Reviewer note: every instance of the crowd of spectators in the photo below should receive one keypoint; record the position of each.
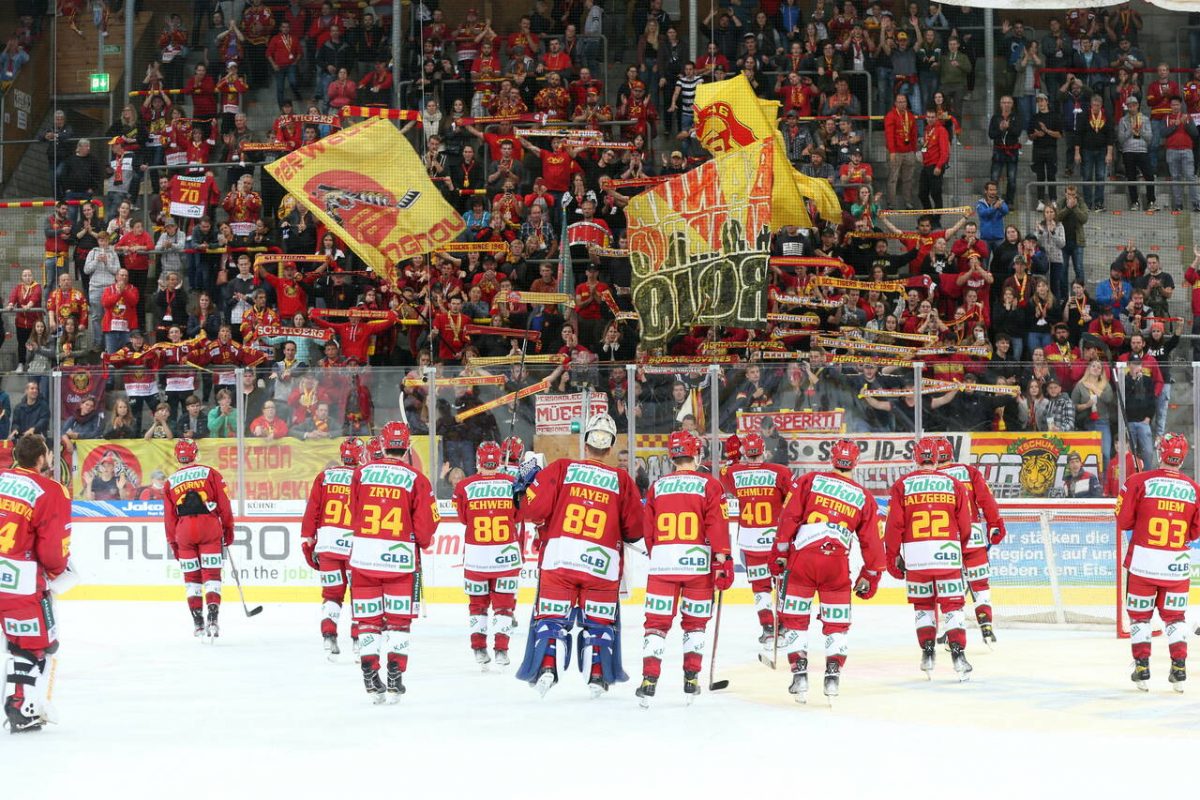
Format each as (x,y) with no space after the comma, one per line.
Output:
(180,300)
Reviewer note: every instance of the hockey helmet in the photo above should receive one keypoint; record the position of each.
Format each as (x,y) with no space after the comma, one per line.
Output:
(944,449)
(925,452)
(186,451)
(844,454)
(352,451)
(395,436)
(1172,449)
(733,448)
(601,432)
(375,448)
(753,445)
(683,444)
(512,450)
(488,455)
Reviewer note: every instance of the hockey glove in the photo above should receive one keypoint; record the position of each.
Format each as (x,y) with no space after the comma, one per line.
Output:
(778,565)
(996,535)
(867,583)
(228,540)
(895,567)
(722,575)
(309,547)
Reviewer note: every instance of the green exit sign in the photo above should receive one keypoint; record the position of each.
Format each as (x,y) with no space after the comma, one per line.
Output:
(98,82)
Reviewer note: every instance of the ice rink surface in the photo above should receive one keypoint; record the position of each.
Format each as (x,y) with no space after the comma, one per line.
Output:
(145,710)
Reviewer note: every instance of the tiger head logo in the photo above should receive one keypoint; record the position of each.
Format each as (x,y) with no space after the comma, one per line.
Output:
(1039,463)
(720,130)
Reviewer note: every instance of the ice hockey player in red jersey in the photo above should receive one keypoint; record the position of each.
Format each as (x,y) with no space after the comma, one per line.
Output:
(760,489)
(35,545)
(732,452)
(586,510)
(687,537)
(199,522)
(928,523)
(491,552)
(512,449)
(826,511)
(325,539)
(1160,507)
(987,530)
(393,516)
(374,449)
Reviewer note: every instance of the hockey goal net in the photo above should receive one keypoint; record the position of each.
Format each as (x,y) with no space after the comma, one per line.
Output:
(1059,565)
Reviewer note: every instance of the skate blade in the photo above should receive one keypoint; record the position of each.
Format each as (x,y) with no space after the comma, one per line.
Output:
(1177,687)
(544,684)
(766,660)
(801,698)
(392,698)
(963,677)
(644,702)
(1142,686)
(331,658)
(928,674)
(595,691)
(688,699)
(377,699)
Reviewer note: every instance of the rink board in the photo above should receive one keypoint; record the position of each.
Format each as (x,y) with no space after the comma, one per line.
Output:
(125,558)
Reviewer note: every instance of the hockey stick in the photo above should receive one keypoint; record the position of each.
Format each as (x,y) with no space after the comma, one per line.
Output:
(237,579)
(716,686)
(779,586)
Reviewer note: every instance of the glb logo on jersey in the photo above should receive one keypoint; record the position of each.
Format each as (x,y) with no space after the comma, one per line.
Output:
(592,476)
(22,627)
(1170,489)
(839,490)
(400,554)
(394,475)
(509,556)
(1182,565)
(947,552)
(680,484)
(696,557)
(597,559)
(10,576)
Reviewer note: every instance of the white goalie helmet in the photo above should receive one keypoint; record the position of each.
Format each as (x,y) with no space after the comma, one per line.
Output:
(601,432)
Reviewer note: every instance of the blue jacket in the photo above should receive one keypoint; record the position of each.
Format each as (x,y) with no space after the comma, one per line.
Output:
(991,220)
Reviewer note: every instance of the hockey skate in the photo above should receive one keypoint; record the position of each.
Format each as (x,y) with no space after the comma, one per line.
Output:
(767,635)
(372,683)
(330,643)
(799,686)
(482,658)
(355,647)
(501,658)
(213,630)
(20,716)
(395,683)
(691,685)
(597,685)
(1178,674)
(989,635)
(646,691)
(833,675)
(1141,673)
(961,665)
(928,656)
(197,622)
(547,677)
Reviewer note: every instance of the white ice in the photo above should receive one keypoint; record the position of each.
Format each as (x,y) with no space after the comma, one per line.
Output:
(147,711)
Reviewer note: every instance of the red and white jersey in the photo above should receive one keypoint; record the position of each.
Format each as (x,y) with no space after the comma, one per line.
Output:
(35,532)
(393,514)
(1161,509)
(827,510)
(490,540)
(687,522)
(327,514)
(209,490)
(985,514)
(761,490)
(586,509)
(928,522)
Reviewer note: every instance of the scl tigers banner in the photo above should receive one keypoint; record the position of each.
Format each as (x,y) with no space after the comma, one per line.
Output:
(698,246)
(368,185)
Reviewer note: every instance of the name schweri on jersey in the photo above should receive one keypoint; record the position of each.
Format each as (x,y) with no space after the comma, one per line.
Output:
(595,477)
(391,475)
(680,484)
(1170,489)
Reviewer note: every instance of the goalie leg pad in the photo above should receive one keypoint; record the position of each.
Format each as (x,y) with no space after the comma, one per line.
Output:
(545,635)
(603,640)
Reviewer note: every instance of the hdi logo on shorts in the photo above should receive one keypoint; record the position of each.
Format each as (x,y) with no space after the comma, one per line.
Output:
(368,608)
(22,627)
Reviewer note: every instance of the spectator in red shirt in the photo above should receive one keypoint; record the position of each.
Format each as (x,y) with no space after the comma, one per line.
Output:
(342,92)
(376,85)
(26,294)
(120,303)
(935,157)
(590,305)
(291,294)
(284,52)
(268,425)
(900,136)
(134,248)
(558,164)
(202,89)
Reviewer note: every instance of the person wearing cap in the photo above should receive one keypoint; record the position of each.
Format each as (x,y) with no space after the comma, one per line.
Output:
(674,165)
(231,90)
(1108,329)
(1117,290)
(1135,137)
(1077,481)
(854,174)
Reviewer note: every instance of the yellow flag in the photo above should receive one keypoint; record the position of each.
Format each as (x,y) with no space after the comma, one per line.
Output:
(730,116)
(369,187)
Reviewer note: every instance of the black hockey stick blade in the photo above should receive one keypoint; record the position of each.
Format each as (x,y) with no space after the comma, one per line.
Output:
(254,612)
(717,686)
(766,660)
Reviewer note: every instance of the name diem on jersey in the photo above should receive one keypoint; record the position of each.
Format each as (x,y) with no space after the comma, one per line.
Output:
(839,490)
(680,484)
(391,475)
(1170,489)
(21,487)
(595,477)
(181,477)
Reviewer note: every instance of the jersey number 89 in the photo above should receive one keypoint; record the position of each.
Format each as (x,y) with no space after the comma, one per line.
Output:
(586,522)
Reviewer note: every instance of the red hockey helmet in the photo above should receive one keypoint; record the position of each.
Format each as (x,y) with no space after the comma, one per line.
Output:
(844,454)
(488,455)
(753,445)
(944,449)
(186,451)
(512,450)
(925,452)
(395,436)
(352,451)
(733,448)
(375,448)
(1172,449)
(683,444)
